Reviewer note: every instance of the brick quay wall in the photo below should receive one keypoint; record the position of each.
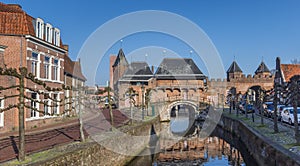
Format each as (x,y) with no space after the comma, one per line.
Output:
(93,153)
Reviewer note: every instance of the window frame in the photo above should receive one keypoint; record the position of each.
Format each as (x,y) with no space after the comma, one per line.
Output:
(47,68)
(34,63)
(34,104)
(2,113)
(56,70)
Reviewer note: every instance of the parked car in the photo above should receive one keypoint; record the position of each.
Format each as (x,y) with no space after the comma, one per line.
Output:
(279,110)
(288,116)
(268,109)
(243,107)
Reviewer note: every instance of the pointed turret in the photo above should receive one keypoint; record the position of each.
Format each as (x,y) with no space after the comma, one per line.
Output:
(121,59)
(262,70)
(234,71)
(119,67)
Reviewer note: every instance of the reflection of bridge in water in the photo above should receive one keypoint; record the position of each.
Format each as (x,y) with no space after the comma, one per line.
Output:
(196,149)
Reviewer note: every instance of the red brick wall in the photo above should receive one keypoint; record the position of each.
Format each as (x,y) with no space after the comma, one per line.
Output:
(12,58)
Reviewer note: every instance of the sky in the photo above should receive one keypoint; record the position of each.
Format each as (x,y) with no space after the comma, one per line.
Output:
(245,31)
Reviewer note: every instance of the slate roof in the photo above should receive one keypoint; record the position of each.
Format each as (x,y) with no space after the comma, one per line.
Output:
(137,71)
(234,67)
(289,70)
(73,68)
(262,68)
(121,59)
(178,68)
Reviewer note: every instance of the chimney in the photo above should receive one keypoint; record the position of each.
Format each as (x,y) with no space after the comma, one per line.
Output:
(15,6)
(66,47)
(152,69)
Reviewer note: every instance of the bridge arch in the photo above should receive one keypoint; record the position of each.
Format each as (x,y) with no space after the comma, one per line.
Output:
(165,115)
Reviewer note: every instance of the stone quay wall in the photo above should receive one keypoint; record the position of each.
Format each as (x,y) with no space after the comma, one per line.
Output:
(92,153)
(262,149)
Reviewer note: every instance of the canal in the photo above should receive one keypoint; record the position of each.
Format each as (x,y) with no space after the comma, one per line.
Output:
(221,148)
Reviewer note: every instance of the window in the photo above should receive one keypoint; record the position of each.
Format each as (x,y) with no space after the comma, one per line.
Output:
(46,104)
(33,113)
(39,28)
(55,70)
(46,67)
(1,114)
(55,104)
(56,37)
(48,33)
(34,63)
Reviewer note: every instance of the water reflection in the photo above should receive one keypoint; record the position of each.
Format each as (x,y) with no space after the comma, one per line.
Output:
(191,150)
(181,119)
(196,151)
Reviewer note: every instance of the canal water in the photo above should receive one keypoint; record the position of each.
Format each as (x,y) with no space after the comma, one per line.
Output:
(219,149)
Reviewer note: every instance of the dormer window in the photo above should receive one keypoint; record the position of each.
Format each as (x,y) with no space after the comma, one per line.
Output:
(48,33)
(39,28)
(56,37)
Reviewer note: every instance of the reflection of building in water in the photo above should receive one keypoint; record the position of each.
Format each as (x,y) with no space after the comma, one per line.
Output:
(196,149)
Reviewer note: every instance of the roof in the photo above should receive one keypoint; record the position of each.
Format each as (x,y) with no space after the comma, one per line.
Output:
(262,68)
(15,21)
(234,67)
(138,71)
(178,68)
(289,70)
(121,59)
(73,68)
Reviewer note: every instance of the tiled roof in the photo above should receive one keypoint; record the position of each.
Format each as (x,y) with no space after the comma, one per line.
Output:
(13,20)
(178,68)
(234,67)
(262,68)
(289,70)
(73,68)
(138,71)
(121,59)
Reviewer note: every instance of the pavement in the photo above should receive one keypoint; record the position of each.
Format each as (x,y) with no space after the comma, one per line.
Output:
(48,137)
(285,136)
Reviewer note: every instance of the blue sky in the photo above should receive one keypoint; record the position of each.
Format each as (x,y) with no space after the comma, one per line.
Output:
(248,30)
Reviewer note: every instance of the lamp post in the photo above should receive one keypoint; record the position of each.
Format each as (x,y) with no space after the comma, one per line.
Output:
(143,100)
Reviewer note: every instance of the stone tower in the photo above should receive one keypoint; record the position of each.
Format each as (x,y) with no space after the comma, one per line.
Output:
(234,71)
(262,71)
(119,67)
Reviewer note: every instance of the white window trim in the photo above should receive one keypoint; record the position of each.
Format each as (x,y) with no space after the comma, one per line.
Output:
(38,63)
(48,34)
(39,32)
(2,113)
(49,67)
(37,106)
(56,37)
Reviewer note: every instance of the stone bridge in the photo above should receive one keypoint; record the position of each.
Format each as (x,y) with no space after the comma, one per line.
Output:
(164,108)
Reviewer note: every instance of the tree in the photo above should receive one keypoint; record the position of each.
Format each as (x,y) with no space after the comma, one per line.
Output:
(131,93)
(21,76)
(79,101)
(108,91)
(293,98)
(261,95)
(275,102)
(147,99)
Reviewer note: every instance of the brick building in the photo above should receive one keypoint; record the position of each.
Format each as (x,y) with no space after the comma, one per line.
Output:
(36,44)
(180,78)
